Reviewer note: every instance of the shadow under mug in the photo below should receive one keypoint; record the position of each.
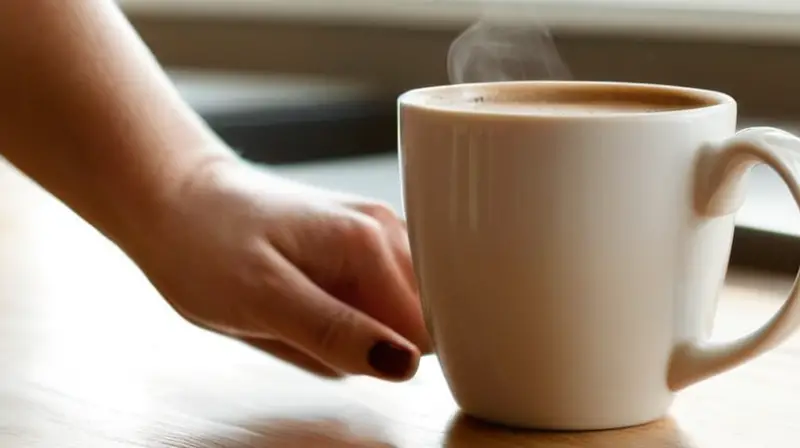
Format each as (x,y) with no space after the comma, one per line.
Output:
(570,240)
(466,432)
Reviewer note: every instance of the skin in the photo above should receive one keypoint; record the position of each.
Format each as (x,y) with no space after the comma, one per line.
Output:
(314,277)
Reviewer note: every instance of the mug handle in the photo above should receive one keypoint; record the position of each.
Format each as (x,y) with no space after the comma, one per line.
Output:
(719,191)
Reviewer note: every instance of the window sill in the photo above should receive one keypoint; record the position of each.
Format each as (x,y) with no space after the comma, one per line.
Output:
(770,19)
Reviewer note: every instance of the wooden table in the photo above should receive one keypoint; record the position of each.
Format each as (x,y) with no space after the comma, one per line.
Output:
(91,357)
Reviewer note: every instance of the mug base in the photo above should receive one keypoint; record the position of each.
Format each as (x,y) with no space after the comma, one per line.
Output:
(520,424)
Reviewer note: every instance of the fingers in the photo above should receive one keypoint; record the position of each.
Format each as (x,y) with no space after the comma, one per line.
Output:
(289,354)
(388,288)
(402,255)
(398,235)
(336,333)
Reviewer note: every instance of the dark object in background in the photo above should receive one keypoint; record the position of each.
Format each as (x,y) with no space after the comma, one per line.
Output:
(290,119)
(297,134)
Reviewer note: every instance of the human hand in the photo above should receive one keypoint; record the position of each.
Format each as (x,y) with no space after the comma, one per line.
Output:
(319,279)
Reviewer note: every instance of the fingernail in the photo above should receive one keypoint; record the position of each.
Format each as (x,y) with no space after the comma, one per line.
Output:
(390,359)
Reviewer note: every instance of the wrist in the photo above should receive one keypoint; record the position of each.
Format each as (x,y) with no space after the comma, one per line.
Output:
(144,209)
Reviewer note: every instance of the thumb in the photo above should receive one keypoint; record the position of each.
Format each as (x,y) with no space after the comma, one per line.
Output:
(337,334)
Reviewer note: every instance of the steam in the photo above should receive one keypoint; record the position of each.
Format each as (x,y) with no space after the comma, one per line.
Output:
(490,51)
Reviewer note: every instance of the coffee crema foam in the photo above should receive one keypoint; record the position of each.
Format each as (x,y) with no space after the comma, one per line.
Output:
(565,99)
(556,108)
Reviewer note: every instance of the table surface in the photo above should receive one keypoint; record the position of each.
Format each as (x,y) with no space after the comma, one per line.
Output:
(90,356)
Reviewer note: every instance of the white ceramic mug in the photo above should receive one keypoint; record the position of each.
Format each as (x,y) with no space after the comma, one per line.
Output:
(569,262)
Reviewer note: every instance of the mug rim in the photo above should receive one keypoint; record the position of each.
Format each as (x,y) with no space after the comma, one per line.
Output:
(706,101)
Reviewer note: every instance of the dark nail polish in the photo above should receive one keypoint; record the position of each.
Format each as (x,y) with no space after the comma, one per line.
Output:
(390,359)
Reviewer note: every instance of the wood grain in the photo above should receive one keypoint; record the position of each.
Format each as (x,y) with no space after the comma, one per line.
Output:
(90,356)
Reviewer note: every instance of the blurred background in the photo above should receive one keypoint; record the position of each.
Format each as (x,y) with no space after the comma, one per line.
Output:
(308,87)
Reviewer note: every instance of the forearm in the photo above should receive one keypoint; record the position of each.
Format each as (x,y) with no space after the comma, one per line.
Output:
(87,112)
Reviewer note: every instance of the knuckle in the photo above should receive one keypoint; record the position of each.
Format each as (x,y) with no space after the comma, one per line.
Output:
(333,329)
(366,234)
(381,211)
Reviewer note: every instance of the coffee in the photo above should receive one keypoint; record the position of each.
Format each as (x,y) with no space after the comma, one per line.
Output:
(564,100)
(563,108)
